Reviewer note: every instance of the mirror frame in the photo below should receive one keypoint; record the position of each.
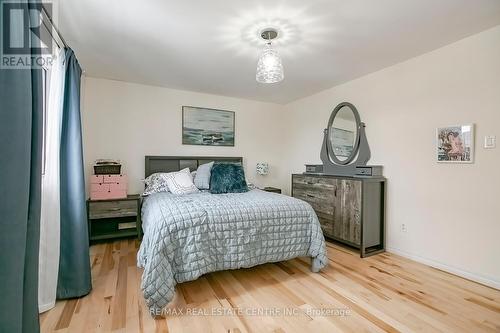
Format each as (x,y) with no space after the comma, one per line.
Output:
(354,152)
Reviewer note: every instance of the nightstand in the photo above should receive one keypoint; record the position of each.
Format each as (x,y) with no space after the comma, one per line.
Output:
(272,189)
(114,218)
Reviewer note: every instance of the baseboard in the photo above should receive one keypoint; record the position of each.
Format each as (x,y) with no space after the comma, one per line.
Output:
(46,307)
(450,269)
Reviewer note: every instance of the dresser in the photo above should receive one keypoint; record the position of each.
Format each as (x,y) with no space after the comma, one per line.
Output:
(350,210)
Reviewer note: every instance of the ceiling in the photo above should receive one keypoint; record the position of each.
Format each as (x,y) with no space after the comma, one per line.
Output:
(213,46)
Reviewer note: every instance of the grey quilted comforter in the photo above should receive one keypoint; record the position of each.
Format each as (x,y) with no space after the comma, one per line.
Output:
(186,236)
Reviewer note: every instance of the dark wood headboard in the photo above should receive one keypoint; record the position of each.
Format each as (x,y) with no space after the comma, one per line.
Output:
(176,163)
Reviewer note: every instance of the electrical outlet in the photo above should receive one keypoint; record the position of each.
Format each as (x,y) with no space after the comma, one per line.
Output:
(403,227)
(490,141)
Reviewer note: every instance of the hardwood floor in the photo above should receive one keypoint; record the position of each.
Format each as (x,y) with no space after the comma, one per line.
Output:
(381,293)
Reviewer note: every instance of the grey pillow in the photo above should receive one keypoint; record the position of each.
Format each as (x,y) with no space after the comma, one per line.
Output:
(202,178)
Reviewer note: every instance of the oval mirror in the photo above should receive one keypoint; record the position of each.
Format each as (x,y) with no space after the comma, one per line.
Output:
(343,133)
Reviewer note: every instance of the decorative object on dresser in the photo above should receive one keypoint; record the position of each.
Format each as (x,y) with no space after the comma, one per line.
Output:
(106,187)
(351,210)
(114,218)
(272,189)
(345,147)
(107,182)
(107,167)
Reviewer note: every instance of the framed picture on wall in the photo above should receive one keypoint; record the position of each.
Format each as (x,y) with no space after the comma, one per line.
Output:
(455,144)
(207,127)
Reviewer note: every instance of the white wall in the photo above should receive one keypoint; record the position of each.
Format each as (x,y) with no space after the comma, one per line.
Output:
(127,121)
(452,211)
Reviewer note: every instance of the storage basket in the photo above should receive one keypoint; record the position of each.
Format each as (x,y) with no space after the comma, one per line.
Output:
(107,169)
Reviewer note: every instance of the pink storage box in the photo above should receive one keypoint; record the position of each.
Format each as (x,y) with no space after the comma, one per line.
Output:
(107,187)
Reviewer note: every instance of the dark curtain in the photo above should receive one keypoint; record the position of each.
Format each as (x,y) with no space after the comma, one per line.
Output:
(20,189)
(74,278)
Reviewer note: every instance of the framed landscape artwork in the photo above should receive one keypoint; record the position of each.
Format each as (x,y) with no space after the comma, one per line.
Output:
(455,144)
(207,127)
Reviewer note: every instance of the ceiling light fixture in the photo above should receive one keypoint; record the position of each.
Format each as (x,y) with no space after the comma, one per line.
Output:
(269,67)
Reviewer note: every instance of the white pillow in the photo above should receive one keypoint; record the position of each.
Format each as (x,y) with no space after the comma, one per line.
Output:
(180,182)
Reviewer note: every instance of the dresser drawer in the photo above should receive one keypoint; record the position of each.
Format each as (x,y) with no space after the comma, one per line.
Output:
(326,223)
(320,193)
(314,193)
(325,183)
(96,179)
(99,187)
(319,204)
(115,179)
(107,187)
(116,208)
(117,187)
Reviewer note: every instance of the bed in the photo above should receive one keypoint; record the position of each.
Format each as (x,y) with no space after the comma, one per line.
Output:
(186,236)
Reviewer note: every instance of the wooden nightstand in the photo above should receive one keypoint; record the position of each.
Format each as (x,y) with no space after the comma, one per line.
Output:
(272,189)
(115,218)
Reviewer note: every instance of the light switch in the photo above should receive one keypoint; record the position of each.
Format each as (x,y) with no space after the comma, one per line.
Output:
(490,141)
